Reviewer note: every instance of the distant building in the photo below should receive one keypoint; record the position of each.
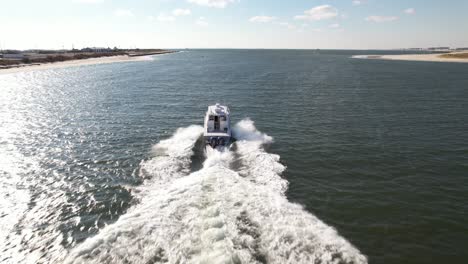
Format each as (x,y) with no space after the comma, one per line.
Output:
(22,56)
(96,49)
(34,55)
(439,48)
(13,56)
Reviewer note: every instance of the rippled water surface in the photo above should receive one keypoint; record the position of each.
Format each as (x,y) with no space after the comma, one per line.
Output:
(339,160)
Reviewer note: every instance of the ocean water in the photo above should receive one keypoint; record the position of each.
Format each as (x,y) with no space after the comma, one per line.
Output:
(338,160)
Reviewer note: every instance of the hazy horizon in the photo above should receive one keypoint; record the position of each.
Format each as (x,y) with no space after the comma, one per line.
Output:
(233,24)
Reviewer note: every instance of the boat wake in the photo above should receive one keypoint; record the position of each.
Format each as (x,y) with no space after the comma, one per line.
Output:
(233,210)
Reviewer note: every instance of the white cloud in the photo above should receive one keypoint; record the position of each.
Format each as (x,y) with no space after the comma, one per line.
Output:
(150,18)
(262,19)
(318,13)
(181,12)
(359,2)
(165,18)
(409,11)
(88,1)
(286,24)
(212,3)
(201,21)
(123,13)
(380,19)
(336,25)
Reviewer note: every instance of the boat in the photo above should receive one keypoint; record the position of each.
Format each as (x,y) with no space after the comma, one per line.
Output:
(217,129)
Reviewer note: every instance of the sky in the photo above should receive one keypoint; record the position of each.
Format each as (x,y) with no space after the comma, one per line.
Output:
(269,24)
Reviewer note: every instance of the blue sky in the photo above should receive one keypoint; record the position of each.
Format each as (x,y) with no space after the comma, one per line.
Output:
(304,24)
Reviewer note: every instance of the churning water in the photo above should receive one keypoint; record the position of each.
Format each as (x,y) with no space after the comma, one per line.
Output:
(103,163)
(216,214)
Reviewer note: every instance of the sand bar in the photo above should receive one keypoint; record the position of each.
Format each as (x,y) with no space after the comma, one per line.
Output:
(73,63)
(434,57)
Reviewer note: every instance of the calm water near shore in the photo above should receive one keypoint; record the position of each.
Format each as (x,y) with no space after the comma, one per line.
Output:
(100,163)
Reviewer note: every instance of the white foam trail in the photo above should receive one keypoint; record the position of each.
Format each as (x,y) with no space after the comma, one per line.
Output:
(172,156)
(245,130)
(216,215)
(257,165)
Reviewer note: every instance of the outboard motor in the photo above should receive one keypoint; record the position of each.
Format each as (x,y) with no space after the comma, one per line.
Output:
(221,141)
(213,142)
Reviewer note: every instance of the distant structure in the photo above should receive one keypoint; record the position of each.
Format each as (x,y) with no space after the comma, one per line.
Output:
(96,49)
(439,48)
(13,56)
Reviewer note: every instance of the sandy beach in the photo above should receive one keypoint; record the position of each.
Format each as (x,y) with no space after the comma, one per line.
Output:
(434,57)
(73,63)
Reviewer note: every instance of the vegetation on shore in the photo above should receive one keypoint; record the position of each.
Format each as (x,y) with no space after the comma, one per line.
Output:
(44,56)
(455,56)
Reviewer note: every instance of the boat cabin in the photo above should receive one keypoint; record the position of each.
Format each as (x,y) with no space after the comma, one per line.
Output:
(217,125)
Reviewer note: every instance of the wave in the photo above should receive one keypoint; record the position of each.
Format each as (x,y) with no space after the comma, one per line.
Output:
(218,214)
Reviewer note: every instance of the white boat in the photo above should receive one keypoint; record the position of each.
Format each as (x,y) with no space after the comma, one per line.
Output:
(217,130)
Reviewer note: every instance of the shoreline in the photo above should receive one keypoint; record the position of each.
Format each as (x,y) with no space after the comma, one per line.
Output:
(433,57)
(74,63)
